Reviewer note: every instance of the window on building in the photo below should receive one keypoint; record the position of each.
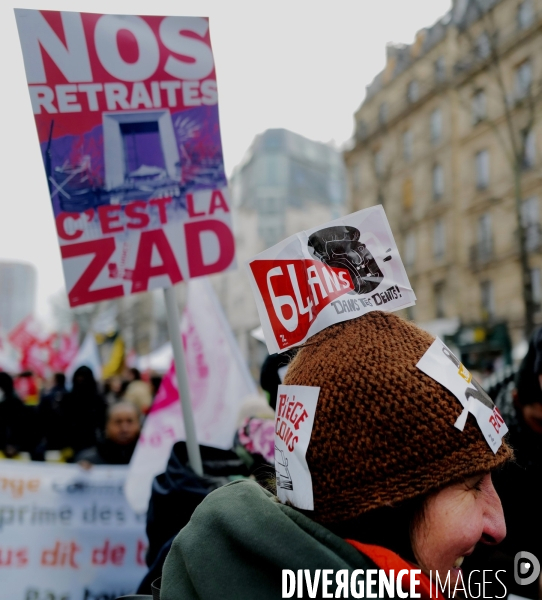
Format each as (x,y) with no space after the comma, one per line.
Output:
(413,91)
(482,169)
(437,179)
(440,296)
(270,206)
(523,79)
(410,249)
(529,148)
(408,194)
(485,237)
(436,126)
(479,107)
(439,240)
(272,169)
(408,144)
(440,69)
(531,223)
(382,113)
(525,14)
(536,287)
(483,45)
(487,300)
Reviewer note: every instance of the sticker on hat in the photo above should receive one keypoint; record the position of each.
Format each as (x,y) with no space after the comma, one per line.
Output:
(441,364)
(296,407)
(326,275)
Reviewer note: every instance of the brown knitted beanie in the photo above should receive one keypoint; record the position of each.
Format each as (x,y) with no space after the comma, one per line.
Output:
(384,430)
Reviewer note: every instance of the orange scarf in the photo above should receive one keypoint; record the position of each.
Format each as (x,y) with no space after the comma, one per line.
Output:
(386,560)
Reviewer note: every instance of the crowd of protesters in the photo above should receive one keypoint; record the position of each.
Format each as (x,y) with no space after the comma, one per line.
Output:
(88,423)
(99,424)
(518,483)
(85,422)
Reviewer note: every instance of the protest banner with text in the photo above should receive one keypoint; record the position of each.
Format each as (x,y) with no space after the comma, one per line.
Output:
(126,109)
(67,534)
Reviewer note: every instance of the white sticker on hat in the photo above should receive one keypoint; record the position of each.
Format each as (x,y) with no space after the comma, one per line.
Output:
(441,364)
(296,407)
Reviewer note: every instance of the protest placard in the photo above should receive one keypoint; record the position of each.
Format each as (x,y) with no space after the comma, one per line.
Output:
(127,118)
(66,533)
(328,274)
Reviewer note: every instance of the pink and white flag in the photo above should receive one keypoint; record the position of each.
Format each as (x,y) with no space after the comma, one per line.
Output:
(219,383)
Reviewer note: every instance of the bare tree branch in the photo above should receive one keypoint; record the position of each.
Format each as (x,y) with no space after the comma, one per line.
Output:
(519,119)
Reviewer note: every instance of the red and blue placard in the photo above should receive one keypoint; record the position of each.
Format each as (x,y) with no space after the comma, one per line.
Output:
(126,109)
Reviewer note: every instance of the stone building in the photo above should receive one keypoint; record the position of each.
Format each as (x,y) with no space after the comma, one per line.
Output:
(285,183)
(436,143)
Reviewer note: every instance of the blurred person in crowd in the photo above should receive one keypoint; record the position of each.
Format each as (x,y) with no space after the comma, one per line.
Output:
(272,374)
(83,411)
(177,492)
(27,389)
(12,419)
(138,392)
(529,377)
(519,483)
(255,437)
(394,484)
(114,389)
(49,412)
(122,431)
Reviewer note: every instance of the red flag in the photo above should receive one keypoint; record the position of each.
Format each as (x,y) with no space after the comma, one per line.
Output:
(25,334)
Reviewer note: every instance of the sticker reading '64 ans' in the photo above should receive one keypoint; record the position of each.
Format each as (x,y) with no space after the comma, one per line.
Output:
(329,274)
(441,364)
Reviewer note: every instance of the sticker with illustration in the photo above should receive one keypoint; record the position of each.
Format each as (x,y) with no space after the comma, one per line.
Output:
(294,419)
(328,274)
(441,364)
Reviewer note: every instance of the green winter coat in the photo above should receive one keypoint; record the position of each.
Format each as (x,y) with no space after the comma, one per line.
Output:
(239,540)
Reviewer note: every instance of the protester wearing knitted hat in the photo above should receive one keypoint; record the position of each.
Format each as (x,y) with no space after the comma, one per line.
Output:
(391,472)
(381,420)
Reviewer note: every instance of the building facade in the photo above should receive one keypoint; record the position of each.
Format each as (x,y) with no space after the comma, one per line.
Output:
(447,140)
(286,183)
(17,293)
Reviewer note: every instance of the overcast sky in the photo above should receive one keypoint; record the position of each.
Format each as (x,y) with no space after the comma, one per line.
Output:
(301,64)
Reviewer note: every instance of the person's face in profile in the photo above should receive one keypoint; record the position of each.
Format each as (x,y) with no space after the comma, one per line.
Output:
(454,521)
